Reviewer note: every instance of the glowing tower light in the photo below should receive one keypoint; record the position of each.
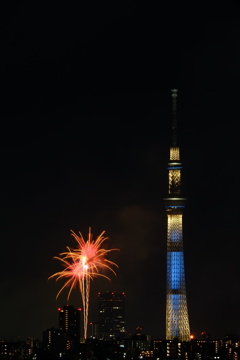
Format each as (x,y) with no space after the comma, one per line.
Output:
(177,321)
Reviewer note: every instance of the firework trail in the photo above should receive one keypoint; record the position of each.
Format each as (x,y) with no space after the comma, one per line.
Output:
(81,265)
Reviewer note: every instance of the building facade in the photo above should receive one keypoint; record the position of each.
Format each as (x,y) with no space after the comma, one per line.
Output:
(69,326)
(111,315)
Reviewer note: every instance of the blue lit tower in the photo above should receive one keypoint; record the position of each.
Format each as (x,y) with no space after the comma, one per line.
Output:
(177,321)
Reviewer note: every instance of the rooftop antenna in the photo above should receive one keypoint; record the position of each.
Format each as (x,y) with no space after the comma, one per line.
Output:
(174,117)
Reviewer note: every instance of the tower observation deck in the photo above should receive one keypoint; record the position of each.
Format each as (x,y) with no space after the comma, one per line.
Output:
(177,320)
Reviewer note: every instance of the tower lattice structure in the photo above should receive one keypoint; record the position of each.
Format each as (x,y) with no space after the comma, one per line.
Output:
(177,320)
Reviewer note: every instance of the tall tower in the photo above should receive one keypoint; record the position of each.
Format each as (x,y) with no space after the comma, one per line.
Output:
(177,321)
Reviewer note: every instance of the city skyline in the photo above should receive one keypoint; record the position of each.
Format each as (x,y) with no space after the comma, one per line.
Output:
(85,136)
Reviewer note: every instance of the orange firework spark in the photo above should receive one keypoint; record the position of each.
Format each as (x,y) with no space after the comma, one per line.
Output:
(83,264)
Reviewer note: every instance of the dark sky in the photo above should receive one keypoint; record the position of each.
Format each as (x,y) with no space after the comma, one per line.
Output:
(85,135)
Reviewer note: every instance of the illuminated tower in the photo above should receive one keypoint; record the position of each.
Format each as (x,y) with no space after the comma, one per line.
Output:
(177,322)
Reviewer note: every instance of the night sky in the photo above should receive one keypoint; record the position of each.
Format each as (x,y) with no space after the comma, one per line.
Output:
(85,136)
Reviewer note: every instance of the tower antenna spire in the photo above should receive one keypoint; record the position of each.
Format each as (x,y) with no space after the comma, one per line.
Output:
(174,117)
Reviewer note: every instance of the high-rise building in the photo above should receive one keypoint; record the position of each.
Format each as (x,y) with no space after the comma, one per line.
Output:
(69,325)
(111,315)
(53,341)
(177,320)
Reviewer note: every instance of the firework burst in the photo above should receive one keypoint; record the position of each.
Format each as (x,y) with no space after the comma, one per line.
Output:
(81,265)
